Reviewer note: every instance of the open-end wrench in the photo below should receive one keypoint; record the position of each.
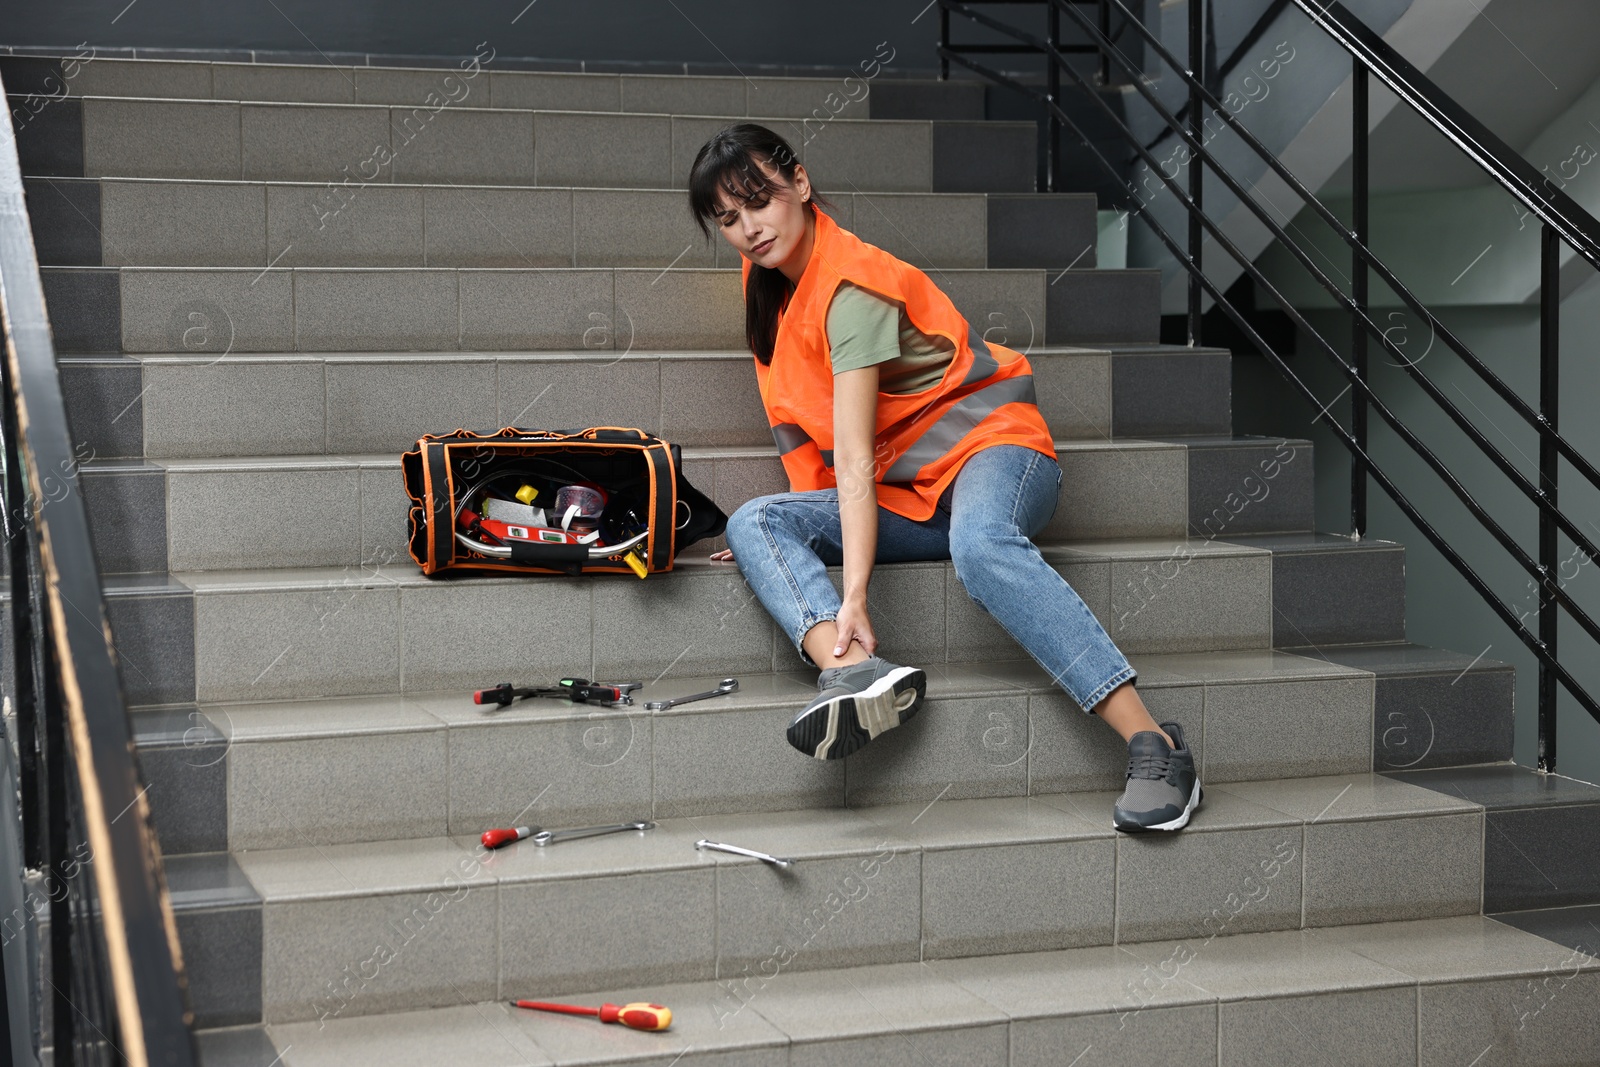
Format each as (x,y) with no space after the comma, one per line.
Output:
(737,851)
(728,685)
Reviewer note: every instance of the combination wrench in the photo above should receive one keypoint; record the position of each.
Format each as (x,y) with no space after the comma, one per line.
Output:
(728,685)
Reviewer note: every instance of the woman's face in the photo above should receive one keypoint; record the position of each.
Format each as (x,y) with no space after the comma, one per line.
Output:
(773,228)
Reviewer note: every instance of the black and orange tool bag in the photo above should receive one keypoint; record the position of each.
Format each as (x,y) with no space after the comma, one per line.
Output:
(486,502)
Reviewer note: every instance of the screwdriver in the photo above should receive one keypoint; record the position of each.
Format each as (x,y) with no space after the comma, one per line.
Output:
(577,690)
(639,1015)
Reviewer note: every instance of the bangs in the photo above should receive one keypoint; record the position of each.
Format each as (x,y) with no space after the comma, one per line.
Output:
(730,165)
(740,178)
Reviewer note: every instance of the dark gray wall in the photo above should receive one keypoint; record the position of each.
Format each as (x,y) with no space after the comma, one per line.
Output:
(837,33)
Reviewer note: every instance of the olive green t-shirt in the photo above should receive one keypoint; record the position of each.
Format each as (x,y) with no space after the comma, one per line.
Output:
(865,328)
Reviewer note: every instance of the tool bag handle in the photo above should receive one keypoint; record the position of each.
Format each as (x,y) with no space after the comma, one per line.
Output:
(565,557)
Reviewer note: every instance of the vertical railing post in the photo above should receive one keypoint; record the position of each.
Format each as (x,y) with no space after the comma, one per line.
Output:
(1197,59)
(1053,82)
(57,842)
(1358,267)
(1549,407)
(944,42)
(1105,34)
(24,680)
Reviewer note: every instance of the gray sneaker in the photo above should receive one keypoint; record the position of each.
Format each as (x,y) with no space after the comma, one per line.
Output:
(1163,788)
(855,704)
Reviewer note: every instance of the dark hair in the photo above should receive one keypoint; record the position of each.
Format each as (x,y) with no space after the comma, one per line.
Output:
(729,163)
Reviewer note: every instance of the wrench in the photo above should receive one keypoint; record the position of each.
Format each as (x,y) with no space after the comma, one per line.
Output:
(737,851)
(728,685)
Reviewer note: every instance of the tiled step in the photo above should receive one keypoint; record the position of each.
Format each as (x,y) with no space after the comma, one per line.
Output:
(1050,871)
(301,634)
(128,222)
(288,633)
(290,773)
(1541,835)
(200,406)
(352,146)
(221,311)
(1577,926)
(1432,707)
(346,510)
(218,914)
(1434,991)
(860,98)
(1375,990)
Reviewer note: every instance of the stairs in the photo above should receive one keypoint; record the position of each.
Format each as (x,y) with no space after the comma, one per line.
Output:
(242,383)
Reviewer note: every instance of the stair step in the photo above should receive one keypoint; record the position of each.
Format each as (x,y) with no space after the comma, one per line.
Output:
(118,222)
(222,310)
(1431,985)
(1432,707)
(293,633)
(1542,836)
(389,83)
(303,772)
(306,404)
(340,631)
(346,510)
(1327,851)
(349,146)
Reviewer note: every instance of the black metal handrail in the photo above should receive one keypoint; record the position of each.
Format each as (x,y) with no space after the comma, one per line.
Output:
(116,992)
(1562,219)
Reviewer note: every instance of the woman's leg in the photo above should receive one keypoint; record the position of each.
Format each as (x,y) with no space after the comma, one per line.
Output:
(1003,497)
(784,543)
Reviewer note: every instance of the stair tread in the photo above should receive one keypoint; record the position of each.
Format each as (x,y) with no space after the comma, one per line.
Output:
(322,460)
(431,710)
(445,862)
(1406,657)
(1076,272)
(575,355)
(1130,549)
(885,1000)
(893,1001)
(246,579)
(132,179)
(790,120)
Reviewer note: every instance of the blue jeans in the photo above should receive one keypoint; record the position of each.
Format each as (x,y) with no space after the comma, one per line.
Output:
(984,523)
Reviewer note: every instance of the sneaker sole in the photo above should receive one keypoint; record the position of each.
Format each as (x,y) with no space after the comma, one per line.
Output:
(1195,796)
(845,723)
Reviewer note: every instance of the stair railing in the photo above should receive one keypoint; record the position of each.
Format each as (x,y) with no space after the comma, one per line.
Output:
(1562,221)
(71,791)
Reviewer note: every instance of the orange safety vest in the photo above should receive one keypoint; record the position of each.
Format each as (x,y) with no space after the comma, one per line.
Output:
(921,439)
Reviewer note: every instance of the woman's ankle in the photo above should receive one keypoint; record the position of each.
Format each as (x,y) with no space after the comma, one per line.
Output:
(820,641)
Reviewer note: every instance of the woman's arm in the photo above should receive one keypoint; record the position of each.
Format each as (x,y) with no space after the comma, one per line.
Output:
(855,418)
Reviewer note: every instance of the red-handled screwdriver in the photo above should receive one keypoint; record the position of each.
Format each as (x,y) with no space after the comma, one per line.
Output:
(639,1015)
(507,834)
(497,838)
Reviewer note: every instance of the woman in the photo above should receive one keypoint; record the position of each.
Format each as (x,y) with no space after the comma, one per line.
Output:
(905,437)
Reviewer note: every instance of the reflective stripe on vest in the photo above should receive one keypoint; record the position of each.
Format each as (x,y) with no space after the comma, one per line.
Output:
(790,436)
(959,420)
(983,362)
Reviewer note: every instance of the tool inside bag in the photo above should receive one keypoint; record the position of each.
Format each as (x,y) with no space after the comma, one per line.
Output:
(607,499)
